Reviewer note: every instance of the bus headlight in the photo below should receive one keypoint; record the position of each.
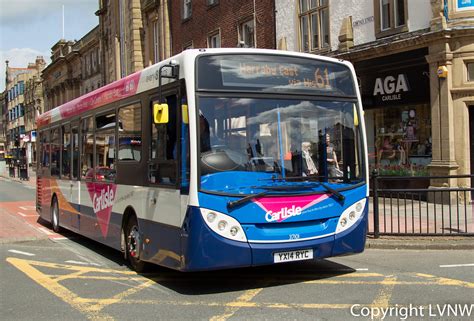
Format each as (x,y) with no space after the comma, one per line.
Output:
(350,216)
(224,225)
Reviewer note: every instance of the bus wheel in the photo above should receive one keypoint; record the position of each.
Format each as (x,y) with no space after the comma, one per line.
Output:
(134,245)
(55,216)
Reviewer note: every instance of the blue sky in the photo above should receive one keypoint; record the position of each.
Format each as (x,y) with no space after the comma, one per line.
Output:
(29,28)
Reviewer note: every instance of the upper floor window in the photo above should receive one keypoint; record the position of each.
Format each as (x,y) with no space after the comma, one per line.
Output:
(187,9)
(247,34)
(214,41)
(314,24)
(390,17)
(212,2)
(188,45)
(470,71)
(156,41)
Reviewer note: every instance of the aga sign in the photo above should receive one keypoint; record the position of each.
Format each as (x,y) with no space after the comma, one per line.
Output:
(391,88)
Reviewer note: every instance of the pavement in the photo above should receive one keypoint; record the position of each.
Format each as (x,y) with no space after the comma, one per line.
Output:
(20,226)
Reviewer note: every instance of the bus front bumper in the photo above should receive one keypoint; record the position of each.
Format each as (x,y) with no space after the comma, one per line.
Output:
(205,250)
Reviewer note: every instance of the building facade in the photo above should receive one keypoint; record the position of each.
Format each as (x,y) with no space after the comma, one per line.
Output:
(61,78)
(34,106)
(76,68)
(414,61)
(121,38)
(222,23)
(19,127)
(3,124)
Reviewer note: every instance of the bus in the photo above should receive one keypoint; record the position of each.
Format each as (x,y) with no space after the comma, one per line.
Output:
(212,159)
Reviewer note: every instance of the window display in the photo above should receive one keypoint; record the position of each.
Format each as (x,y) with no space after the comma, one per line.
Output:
(401,141)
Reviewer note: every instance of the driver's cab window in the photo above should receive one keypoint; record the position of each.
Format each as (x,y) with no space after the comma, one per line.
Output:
(164,146)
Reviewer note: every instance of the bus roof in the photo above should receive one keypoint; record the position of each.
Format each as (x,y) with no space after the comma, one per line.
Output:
(144,80)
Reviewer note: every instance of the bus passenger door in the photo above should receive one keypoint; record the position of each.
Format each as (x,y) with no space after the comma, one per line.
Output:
(164,195)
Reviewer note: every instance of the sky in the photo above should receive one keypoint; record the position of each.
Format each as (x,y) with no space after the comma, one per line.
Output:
(29,28)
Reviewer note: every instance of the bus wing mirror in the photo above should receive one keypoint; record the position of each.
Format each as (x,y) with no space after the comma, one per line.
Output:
(160,113)
(184,112)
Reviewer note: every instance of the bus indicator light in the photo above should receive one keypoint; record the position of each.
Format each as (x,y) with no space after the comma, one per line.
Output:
(234,230)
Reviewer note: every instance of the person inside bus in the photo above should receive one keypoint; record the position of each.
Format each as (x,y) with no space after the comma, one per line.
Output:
(309,168)
(333,166)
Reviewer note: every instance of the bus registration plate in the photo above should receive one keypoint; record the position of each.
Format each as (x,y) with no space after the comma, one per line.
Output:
(298,255)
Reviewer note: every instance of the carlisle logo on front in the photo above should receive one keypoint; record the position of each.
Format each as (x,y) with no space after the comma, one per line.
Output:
(283,214)
(103,197)
(278,209)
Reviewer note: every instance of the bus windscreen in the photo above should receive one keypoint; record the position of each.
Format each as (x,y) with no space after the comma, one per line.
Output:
(274,73)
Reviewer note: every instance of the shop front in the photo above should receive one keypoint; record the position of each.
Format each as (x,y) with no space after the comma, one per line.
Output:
(396,99)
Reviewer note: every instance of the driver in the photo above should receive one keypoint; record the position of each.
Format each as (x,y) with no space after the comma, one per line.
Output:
(204,134)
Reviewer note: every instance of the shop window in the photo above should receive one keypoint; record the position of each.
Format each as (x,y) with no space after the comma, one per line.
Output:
(390,17)
(314,25)
(401,139)
(470,71)
(247,34)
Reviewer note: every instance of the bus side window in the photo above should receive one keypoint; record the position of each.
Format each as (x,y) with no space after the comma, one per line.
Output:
(105,147)
(55,152)
(44,143)
(75,153)
(164,152)
(87,152)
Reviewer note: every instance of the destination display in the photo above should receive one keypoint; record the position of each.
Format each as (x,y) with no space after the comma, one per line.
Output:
(271,73)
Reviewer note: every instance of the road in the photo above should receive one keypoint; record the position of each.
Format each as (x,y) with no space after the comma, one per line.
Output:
(67,277)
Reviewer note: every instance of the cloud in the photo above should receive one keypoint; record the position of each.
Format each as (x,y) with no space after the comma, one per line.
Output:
(19,58)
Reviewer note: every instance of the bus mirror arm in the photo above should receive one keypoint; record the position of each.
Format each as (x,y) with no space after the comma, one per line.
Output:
(174,75)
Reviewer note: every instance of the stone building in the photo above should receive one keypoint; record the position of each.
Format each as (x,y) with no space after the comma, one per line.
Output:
(91,63)
(133,35)
(18,138)
(61,78)
(34,106)
(75,69)
(415,64)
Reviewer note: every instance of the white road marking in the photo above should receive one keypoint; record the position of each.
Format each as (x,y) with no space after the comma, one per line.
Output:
(45,231)
(362,269)
(81,263)
(456,265)
(26,215)
(21,252)
(28,208)
(59,238)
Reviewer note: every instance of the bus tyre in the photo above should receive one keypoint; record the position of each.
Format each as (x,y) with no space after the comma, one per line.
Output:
(134,245)
(55,216)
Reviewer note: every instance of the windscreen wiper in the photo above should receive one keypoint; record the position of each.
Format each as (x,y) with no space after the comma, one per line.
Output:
(311,179)
(232,204)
